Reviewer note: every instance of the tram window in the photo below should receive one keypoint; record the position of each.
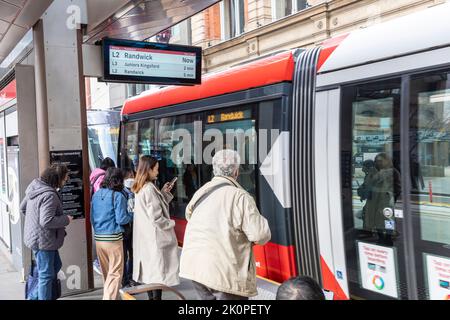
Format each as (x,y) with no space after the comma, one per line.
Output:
(172,141)
(430,155)
(238,128)
(103,141)
(146,137)
(376,175)
(130,154)
(171,134)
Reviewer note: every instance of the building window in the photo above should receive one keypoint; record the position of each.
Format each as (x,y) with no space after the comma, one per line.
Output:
(136,89)
(232,18)
(182,33)
(283,8)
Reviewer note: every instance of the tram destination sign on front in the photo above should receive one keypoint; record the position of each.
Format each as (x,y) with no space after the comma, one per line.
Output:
(129,61)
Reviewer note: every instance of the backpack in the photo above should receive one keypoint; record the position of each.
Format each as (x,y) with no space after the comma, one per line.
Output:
(91,186)
(128,229)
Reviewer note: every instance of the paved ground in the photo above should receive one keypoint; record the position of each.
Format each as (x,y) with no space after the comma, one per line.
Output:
(12,289)
(10,286)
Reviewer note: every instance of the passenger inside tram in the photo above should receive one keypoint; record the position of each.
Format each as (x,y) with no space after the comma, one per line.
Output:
(190,181)
(381,190)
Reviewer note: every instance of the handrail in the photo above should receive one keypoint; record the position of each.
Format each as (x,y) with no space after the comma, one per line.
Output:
(128,293)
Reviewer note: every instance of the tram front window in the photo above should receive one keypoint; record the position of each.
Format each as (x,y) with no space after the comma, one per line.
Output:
(146,137)
(103,135)
(129,152)
(173,141)
(171,134)
(239,135)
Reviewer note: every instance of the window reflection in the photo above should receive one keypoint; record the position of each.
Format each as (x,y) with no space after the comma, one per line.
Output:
(130,153)
(430,155)
(171,163)
(376,153)
(162,139)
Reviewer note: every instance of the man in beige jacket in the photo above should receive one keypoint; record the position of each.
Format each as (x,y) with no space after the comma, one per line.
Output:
(223,225)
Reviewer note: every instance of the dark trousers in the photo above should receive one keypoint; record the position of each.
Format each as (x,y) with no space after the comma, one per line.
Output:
(48,264)
(154,294)
(128,259)
(205,293)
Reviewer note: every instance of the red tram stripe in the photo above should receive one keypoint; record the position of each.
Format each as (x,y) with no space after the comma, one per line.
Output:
(330,283)
(328,48)
(260,73)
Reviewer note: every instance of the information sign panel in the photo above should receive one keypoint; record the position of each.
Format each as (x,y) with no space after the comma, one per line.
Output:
(151,63)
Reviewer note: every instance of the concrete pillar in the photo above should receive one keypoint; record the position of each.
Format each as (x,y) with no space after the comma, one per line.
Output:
(41,96)
(28,166)
(61,109)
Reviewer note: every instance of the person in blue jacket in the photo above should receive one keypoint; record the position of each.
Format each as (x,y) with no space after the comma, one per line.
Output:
(108,216)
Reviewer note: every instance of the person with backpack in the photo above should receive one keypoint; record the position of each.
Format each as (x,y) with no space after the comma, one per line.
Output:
(108,215)
(45,224)
(127,279)
(223,225)
(96,179)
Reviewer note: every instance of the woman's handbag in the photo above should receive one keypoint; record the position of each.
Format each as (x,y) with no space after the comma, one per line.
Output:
(32,285)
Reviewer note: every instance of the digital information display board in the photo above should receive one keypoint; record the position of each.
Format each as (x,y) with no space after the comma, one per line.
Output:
(151,63)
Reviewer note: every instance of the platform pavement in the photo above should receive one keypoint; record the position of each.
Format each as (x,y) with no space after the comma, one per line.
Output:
(11,287)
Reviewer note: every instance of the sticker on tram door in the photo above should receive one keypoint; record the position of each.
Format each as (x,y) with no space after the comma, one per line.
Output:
(378,269)
(389,224)
(438,276)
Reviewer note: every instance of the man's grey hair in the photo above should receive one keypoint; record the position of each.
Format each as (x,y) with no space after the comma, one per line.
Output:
(226,163)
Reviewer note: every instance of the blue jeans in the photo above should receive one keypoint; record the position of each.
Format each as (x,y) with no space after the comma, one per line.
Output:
(48,265)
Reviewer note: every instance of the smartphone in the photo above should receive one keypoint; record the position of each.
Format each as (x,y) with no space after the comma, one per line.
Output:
(172,182)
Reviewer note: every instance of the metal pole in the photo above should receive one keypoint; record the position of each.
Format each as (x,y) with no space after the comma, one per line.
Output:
(408,238)
(85,152)
(41,96)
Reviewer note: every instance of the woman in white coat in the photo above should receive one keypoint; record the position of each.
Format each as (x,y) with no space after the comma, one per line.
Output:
(155,245)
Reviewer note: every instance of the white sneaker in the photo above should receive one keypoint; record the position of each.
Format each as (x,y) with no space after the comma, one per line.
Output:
(96,266)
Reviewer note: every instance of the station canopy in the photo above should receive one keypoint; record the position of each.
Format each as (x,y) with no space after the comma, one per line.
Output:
(124,19)
(139,19)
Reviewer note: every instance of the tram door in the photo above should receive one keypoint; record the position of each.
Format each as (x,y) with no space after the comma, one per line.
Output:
(372,190)
(374,185)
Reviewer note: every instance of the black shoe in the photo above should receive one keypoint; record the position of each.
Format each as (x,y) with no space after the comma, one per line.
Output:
(132,283)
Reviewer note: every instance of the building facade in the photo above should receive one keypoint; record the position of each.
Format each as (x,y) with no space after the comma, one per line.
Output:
(234,31)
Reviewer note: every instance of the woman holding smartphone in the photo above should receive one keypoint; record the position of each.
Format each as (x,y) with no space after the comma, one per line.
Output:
(155,244)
